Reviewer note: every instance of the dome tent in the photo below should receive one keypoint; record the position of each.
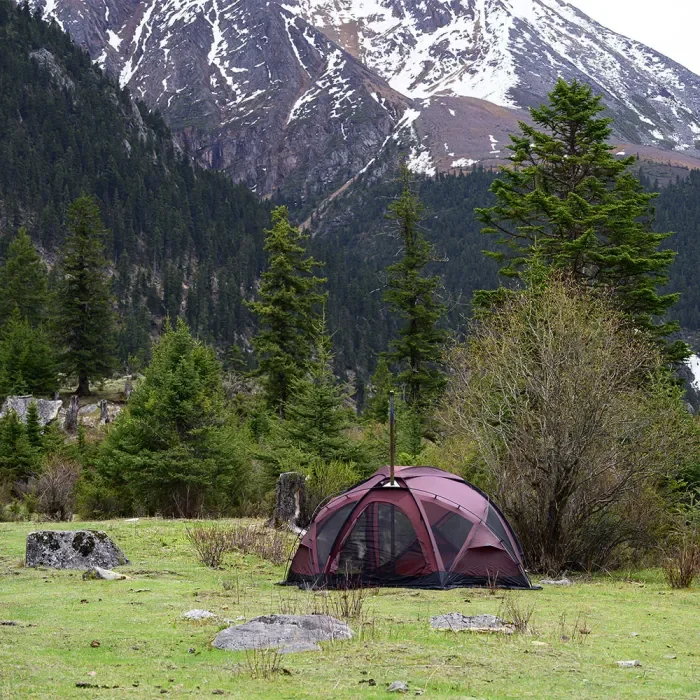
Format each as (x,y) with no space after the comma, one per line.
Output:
(431,529)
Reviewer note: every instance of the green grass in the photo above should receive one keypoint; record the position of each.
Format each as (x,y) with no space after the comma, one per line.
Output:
(144,644)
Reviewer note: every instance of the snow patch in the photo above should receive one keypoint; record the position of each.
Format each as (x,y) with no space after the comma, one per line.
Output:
(463,163)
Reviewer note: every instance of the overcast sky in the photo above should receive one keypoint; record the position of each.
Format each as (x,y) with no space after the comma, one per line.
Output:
(669,26)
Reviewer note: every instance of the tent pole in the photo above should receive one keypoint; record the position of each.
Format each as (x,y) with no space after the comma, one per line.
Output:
(391,436)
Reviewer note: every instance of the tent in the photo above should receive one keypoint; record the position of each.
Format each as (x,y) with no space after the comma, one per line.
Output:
(431,529)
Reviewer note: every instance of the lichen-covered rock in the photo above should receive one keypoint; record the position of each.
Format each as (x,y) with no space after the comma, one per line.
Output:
(48,410)
(474,623)
(73,549)
(288,633)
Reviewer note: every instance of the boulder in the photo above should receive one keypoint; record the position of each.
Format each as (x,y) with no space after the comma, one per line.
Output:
(476,623)
(97,572)
(198,614)
(288,633)
(73,549)
(48,410)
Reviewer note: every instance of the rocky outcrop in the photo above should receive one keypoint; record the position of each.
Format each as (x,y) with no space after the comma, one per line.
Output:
(48,410)
(77,549)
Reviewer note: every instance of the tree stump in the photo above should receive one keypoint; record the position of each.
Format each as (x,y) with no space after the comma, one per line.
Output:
(104,412)
(71,422)
(128,388)
(291,508)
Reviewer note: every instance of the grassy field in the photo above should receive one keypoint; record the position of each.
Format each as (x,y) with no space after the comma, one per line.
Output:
(147,650)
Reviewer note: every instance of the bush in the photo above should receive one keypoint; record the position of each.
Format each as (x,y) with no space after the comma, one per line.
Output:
(681,561)
(55,488)
(328,479)
(210,542)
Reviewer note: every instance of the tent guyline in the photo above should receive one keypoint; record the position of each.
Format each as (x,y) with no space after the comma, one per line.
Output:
(431,529)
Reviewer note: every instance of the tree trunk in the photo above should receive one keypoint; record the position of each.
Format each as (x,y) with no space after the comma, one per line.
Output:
(104,412)
(290,502)
(83,386)
(71,422)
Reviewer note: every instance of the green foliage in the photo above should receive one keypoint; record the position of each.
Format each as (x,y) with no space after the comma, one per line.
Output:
(175,449)
(33,426)
(285,310)
(27,359)
(18,458)
(23,280)
(381,383)
(413,296)
(85,321)
(566,193)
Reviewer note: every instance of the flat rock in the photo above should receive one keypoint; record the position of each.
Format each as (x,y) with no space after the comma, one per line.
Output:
(475,623)
(97,572)
(629,664)
(398,687)
(288,633)
(555,582)
(73,549)
(198,615)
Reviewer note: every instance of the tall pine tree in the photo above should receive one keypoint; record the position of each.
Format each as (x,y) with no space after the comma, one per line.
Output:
(412,294)
(85,323)
(23,281)
(285,310)
(566,193)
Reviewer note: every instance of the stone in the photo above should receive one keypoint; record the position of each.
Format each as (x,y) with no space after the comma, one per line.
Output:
(73,549)
(48,410)
(475,623)
(628,664)
(288,633)
(290,502)
(555,582)
(398,687)
(97,572)
(198,615)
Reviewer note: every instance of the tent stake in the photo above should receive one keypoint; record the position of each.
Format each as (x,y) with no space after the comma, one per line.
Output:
(391,436)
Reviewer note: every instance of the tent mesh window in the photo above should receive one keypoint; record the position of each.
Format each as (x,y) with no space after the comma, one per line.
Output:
(382,539)
(328,532)
(494,523)
(450,530)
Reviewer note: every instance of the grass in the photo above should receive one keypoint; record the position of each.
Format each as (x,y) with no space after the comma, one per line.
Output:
(147,650)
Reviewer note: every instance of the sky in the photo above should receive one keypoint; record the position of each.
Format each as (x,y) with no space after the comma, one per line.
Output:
(669,26)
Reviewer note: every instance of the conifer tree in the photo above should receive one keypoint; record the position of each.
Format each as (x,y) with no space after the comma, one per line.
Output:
(27,359)
(381,384)
(412,294)
(33,427)
(568,194)
(23,281)
(18,460)
(85,323)
(289,294)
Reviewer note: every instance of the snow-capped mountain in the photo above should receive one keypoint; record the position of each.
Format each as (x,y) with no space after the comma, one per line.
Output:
(306,94)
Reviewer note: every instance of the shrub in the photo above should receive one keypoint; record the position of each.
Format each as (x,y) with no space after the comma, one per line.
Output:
(55,488)
(210,542)
(681,560)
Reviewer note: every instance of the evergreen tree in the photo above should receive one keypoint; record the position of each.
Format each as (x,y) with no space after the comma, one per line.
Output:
(27,359)
(285,310)
(18,459)
(412,295)
(175,449)
(33,427)
(566,192)
(23,280)
(85,323)
(382,383)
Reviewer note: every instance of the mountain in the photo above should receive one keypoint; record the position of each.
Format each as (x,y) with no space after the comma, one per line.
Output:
(304,95)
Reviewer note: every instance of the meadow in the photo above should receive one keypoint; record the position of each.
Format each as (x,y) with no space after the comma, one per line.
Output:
(64,637)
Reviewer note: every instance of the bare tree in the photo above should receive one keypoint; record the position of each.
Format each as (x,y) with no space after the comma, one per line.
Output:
(575,420)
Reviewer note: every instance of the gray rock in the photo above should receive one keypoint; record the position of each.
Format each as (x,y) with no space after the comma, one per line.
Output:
(198,615)
(73,549)
(555,582)
(476,623)
(49,63)
(97,572)
(48,410)
(398,687)
(628,664)
(288,633)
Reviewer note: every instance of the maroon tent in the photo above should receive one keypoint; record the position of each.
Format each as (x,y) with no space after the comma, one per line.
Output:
(431,529)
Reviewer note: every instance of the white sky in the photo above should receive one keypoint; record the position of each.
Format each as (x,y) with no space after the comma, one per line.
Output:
(671,26)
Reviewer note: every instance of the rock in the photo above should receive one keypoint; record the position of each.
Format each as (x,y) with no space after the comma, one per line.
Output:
(198,615)
(476,623)
(628,664)
(48,410)
(555,582)
(290,502)
(97,572)
(288,633)
(49,63)
(73,549)
(398,687)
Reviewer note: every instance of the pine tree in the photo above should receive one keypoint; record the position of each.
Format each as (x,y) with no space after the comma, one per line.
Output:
(567,193)
(27,359)
(382,383)
(412,295)
(33,427)
(18,460)
(23,281)
(285,310)
(85,323)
